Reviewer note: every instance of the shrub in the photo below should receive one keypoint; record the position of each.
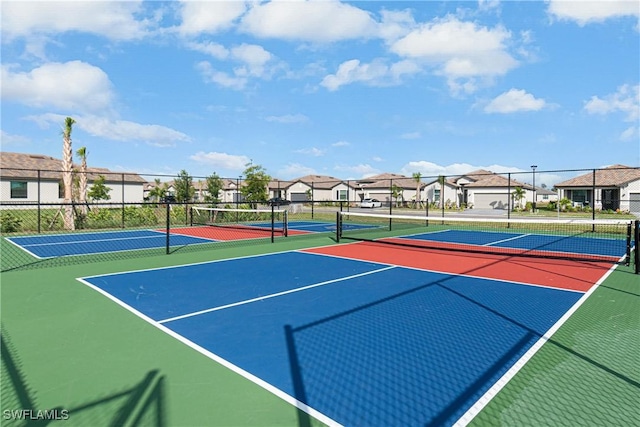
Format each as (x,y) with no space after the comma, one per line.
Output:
(9,223)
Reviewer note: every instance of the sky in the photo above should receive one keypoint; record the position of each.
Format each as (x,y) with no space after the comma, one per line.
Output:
(345,89)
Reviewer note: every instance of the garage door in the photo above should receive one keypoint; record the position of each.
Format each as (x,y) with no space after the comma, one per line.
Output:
(490,201)
(634,203)
(299,197)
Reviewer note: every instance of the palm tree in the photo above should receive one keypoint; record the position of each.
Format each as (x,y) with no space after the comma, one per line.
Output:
(67,172)
(82,192)
(158,191)
(417,177)
(396,193)
(441,180)
(518,195)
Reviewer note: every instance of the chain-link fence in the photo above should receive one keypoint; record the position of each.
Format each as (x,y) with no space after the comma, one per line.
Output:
(33,203)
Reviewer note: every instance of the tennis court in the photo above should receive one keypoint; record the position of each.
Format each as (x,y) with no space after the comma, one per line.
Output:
(57,245)
(404,322)
(437,330)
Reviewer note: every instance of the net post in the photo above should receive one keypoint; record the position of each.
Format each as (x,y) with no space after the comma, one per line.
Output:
(273,222)
(593,201)
(168,242)
(338,226)
(426,211)
(285,223)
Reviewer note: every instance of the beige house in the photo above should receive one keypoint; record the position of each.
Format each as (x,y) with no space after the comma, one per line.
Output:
(614,188)
(35,178)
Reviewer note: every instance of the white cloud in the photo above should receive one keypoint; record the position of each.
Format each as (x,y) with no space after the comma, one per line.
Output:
(295,170)
(72,86)
(315,152)
(513,101)
(433,170)
(254,58)
(288,118)
(115,20)
(13,140)
(208,16)
(340,144)
(220,78)
(625,100)
(221,160)
(117,130)
(586,12)
(254,62)
(460,51)
(320,21)
(361,170)
(216,50)
(375,73)
(411,135)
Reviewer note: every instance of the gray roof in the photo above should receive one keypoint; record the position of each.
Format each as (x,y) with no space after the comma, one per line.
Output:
(27,166)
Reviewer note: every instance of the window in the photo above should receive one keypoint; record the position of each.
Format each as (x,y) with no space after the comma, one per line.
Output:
(60,190)
(18,189)
(436,194)
(341,194)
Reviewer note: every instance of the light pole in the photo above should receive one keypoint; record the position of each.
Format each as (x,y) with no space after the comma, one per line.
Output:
(533,168)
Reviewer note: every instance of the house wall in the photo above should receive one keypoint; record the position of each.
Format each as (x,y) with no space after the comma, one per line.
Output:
(453,194)
(49,192)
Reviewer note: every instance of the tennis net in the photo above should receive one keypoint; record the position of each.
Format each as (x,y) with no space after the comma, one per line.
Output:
(597,240)
(268,221)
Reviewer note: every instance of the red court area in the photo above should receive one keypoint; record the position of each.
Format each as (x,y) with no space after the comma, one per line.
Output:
(563,274)
(228,233)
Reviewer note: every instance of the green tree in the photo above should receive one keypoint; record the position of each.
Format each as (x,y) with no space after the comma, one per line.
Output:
(396,193)
(99,190)
(67,172)
(441,181)
(256,184)
(417,177)
(214,186)
(184,187)
(158,191)
(518,196)
(82,180)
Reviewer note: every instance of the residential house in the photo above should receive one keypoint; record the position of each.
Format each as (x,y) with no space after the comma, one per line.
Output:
(320,188)
(614,188)
(383,186)
(35,178)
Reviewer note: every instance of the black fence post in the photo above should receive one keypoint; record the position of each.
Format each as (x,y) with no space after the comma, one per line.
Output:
(168,210)
(636,238)
(123,214)
(312,200)
(593,201)
(508,197)
(39,205)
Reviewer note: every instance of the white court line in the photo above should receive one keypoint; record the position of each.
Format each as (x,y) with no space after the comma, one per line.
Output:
(480,404)
(224,362)
(277,294)
(507,240)
(74,242)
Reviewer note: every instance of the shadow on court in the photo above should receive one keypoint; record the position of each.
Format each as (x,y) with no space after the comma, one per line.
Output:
(350,354)
(143,403)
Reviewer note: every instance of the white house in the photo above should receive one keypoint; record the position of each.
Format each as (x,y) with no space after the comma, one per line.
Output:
(35,178)
(614,188)
(383,186)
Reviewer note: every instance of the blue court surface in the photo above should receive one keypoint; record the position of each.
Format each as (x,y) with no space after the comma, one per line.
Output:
(55,245)
(534,242)
(360,343)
